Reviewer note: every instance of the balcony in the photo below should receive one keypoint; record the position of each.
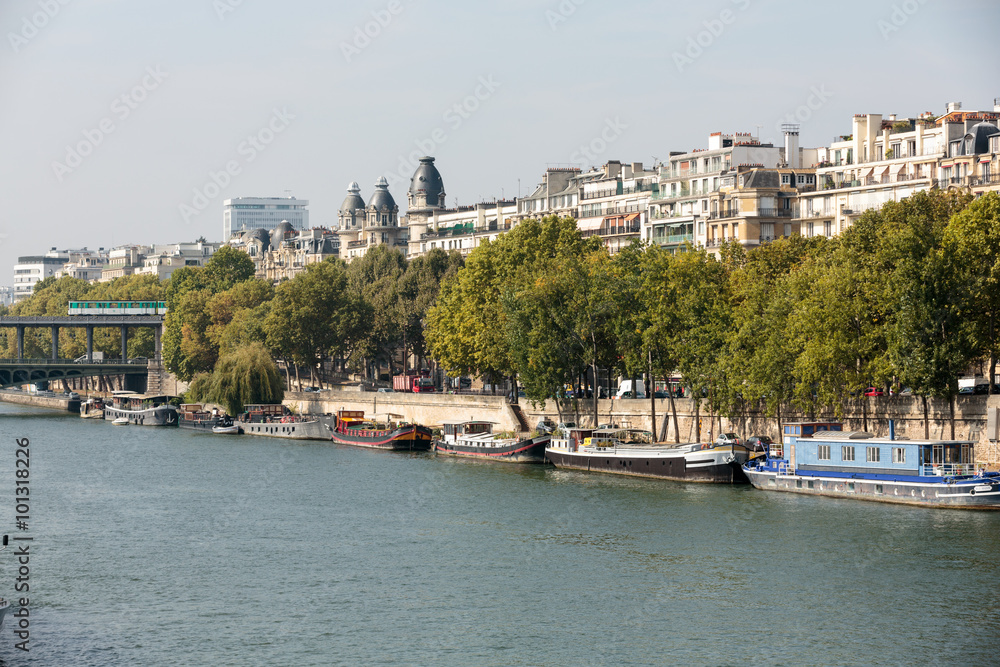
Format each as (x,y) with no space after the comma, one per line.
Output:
(640,187)
(775,213)
(672,239)
(727,213)
(604,192)
(351,245)
(612,230)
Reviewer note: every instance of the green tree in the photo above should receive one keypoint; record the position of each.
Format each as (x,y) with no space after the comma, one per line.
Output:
(228,267)
(248,375)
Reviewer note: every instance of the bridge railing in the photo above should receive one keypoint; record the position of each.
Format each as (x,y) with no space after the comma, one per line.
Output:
(138,361)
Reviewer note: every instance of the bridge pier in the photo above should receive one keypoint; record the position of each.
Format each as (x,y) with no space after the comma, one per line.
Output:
(20,341)
(90,344)
(157,344)
(124,343)
(55,342)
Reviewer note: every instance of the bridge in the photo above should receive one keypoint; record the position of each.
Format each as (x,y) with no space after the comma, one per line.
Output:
(23,371)
(89,322)
(15,372)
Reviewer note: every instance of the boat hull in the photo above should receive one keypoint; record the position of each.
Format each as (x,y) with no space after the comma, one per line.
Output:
(200,424)
(161,415)
(963,494)
(707,466)
(406,438)
(315,429)
(529,450)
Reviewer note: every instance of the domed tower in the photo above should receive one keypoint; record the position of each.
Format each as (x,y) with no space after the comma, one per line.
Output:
(426,187)
(382,210)
(425,196)
(279,233)
(352,212)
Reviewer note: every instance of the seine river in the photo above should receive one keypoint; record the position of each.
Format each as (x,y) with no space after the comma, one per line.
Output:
(166,547)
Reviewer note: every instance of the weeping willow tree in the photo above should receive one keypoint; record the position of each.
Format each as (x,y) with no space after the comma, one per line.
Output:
(247,375)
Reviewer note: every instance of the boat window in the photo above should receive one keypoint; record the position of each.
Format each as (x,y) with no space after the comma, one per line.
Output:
(847,453)
(898,455)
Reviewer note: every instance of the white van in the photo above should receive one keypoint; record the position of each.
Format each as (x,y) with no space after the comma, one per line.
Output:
(625,389)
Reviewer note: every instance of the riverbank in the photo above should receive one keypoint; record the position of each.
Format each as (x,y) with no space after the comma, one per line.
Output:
(870,414)
(61,403)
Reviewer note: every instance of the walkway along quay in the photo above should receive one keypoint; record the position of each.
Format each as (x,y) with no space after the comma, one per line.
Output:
(977,417)
(62,403)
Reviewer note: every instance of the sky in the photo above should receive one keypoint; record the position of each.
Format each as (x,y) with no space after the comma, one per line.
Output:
(131,122)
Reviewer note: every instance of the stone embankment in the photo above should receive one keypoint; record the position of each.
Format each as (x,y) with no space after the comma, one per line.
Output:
(873,414)
(61,403)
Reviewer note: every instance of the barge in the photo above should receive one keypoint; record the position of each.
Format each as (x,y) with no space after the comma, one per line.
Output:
(351,428)
(620,452)
(476,439)
(141,409)
(274,420)
(824,460)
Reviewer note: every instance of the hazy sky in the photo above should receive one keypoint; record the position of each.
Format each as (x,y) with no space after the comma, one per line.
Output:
(130,122)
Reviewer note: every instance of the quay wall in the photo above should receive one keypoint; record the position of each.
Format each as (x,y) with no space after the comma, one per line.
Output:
(49,402)
(434,409)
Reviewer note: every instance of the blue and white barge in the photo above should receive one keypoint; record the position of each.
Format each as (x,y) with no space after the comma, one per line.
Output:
(822,459)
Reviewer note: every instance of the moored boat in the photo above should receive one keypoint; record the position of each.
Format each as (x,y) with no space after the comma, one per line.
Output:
(620,452)
(274,420)
(141,409)
(231,429)
(351,428)
(194,416)
(822,459)
(476,439)
(120,421)
(92,408)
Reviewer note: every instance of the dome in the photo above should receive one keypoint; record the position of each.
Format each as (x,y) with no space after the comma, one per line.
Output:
(426,186)
(261,235)
(978,138)
(381,197)
(279,232)
(353,201)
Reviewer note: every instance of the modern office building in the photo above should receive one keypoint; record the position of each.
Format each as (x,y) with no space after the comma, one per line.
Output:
(250,213)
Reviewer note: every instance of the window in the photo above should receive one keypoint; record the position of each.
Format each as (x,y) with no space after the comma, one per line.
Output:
(801,179)
(847,453)
(827,228)
(873,454)
(823,452)
(810,179)
(898,455)
(786,179)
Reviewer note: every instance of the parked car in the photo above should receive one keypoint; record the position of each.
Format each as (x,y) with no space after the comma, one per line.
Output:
(386,390)
(728,439)
(545,426)
(874,391)
(72,395)
(759,443)
(608,426)
(660,394)
(311,390)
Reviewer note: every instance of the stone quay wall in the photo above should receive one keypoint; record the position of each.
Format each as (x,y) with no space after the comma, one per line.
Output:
(50,402)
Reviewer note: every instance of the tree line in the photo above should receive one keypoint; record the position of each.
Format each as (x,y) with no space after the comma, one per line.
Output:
(907,297)
(225,328)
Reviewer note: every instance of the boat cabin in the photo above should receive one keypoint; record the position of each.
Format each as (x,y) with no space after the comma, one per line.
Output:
(570,439)
(800,430)
(857,452)
(453,431)
(130,400)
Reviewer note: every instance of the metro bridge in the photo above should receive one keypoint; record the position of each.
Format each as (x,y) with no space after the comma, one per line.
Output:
(23,371)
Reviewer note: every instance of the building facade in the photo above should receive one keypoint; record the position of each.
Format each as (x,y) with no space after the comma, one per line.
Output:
(250,213)
(362,227)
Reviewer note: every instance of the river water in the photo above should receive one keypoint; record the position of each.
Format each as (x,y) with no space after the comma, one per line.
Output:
(162,546)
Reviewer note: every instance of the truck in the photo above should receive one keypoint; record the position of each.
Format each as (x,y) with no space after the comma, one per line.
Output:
(414,383)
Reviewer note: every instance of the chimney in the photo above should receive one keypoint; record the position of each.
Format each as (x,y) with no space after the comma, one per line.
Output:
(953,106)
(892,117)
(996,104)
(791,131)
(636,168)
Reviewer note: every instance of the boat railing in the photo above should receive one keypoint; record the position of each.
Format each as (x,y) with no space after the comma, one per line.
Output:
(947,469)
(785,468)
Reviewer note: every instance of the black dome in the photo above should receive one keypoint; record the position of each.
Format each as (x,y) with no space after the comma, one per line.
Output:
(381,197)
(353,201)
(426,182)
(978,138)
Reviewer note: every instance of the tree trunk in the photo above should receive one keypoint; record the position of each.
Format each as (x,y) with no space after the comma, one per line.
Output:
(951,410)
(673,412)
(652,399)
(864,413)
(777,411)
(596,389)
(697,418)
(298,380)
(927,421)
